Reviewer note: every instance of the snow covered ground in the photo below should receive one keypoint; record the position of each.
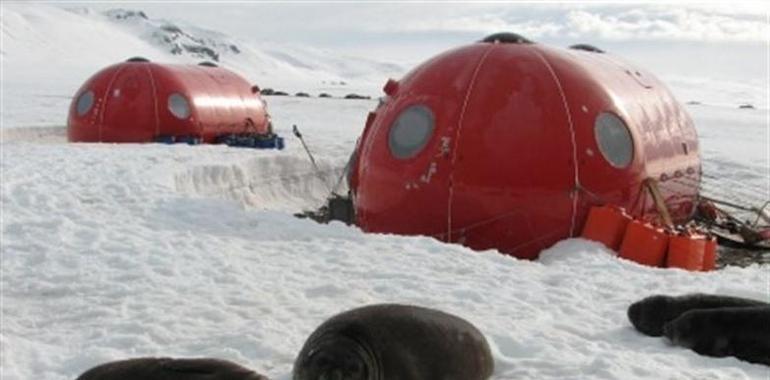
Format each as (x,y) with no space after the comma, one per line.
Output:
(117,251)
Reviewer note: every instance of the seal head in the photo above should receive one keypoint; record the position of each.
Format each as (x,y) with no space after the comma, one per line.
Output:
(335,357)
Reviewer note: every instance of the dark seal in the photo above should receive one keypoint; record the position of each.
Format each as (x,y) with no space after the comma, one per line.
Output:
(650,314)
(743,332)
(170,369)
(394,342)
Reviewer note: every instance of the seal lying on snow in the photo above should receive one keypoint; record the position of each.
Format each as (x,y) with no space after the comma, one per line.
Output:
(743,332)
(650,314)
(394,342)
(170,369)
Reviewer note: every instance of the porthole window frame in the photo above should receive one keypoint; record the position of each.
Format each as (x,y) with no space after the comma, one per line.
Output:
(171,109)
(88,94)
(404,152)
(603,149)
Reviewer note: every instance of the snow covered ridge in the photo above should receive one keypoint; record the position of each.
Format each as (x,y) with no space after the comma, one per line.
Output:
(82,41)
(199,43)
(183,39)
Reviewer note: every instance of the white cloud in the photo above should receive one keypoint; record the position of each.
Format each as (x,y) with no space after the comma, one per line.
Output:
(738,21)
(685,23)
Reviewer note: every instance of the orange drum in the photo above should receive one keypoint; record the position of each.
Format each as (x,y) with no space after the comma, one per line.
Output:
(644,244)
(710,254)
(606,225)
(686,251)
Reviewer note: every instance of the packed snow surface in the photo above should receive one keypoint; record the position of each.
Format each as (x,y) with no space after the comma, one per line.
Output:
(118,251)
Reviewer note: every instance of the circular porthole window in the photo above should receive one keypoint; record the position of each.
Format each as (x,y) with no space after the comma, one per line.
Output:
(411,131)
(179,106)
(85,102)
(614,140)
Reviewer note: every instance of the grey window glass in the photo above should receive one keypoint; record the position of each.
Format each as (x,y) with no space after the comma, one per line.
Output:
(179,106)
(411,131)
(85,102)
(614,140)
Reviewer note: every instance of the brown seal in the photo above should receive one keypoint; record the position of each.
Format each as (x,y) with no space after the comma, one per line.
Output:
(394,342)
(743,332)
(170,369)
(650,314)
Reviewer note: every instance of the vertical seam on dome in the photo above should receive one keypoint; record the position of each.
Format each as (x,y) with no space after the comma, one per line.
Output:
(460,121)
(211,78)
(576,169)
(106,100)
(155,100)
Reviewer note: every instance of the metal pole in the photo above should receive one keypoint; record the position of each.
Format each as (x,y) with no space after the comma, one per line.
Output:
(296,132)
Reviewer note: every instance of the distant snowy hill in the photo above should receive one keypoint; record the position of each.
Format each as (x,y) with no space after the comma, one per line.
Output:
(57,49)
(206,45)
(184,39)
(84,40)
(47,44)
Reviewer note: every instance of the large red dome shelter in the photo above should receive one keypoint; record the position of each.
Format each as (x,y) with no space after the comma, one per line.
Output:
(141,101)
(506,144)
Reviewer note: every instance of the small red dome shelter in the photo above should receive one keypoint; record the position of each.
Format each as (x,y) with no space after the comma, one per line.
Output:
(506,144)
(140,101)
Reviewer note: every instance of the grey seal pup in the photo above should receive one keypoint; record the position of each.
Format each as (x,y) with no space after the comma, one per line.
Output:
(394,342)
(650,314)
(742,332)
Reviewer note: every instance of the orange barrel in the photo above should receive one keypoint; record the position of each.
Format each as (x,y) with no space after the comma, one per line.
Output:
(686,251)
(606,225)
(710,254)
(645,244)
